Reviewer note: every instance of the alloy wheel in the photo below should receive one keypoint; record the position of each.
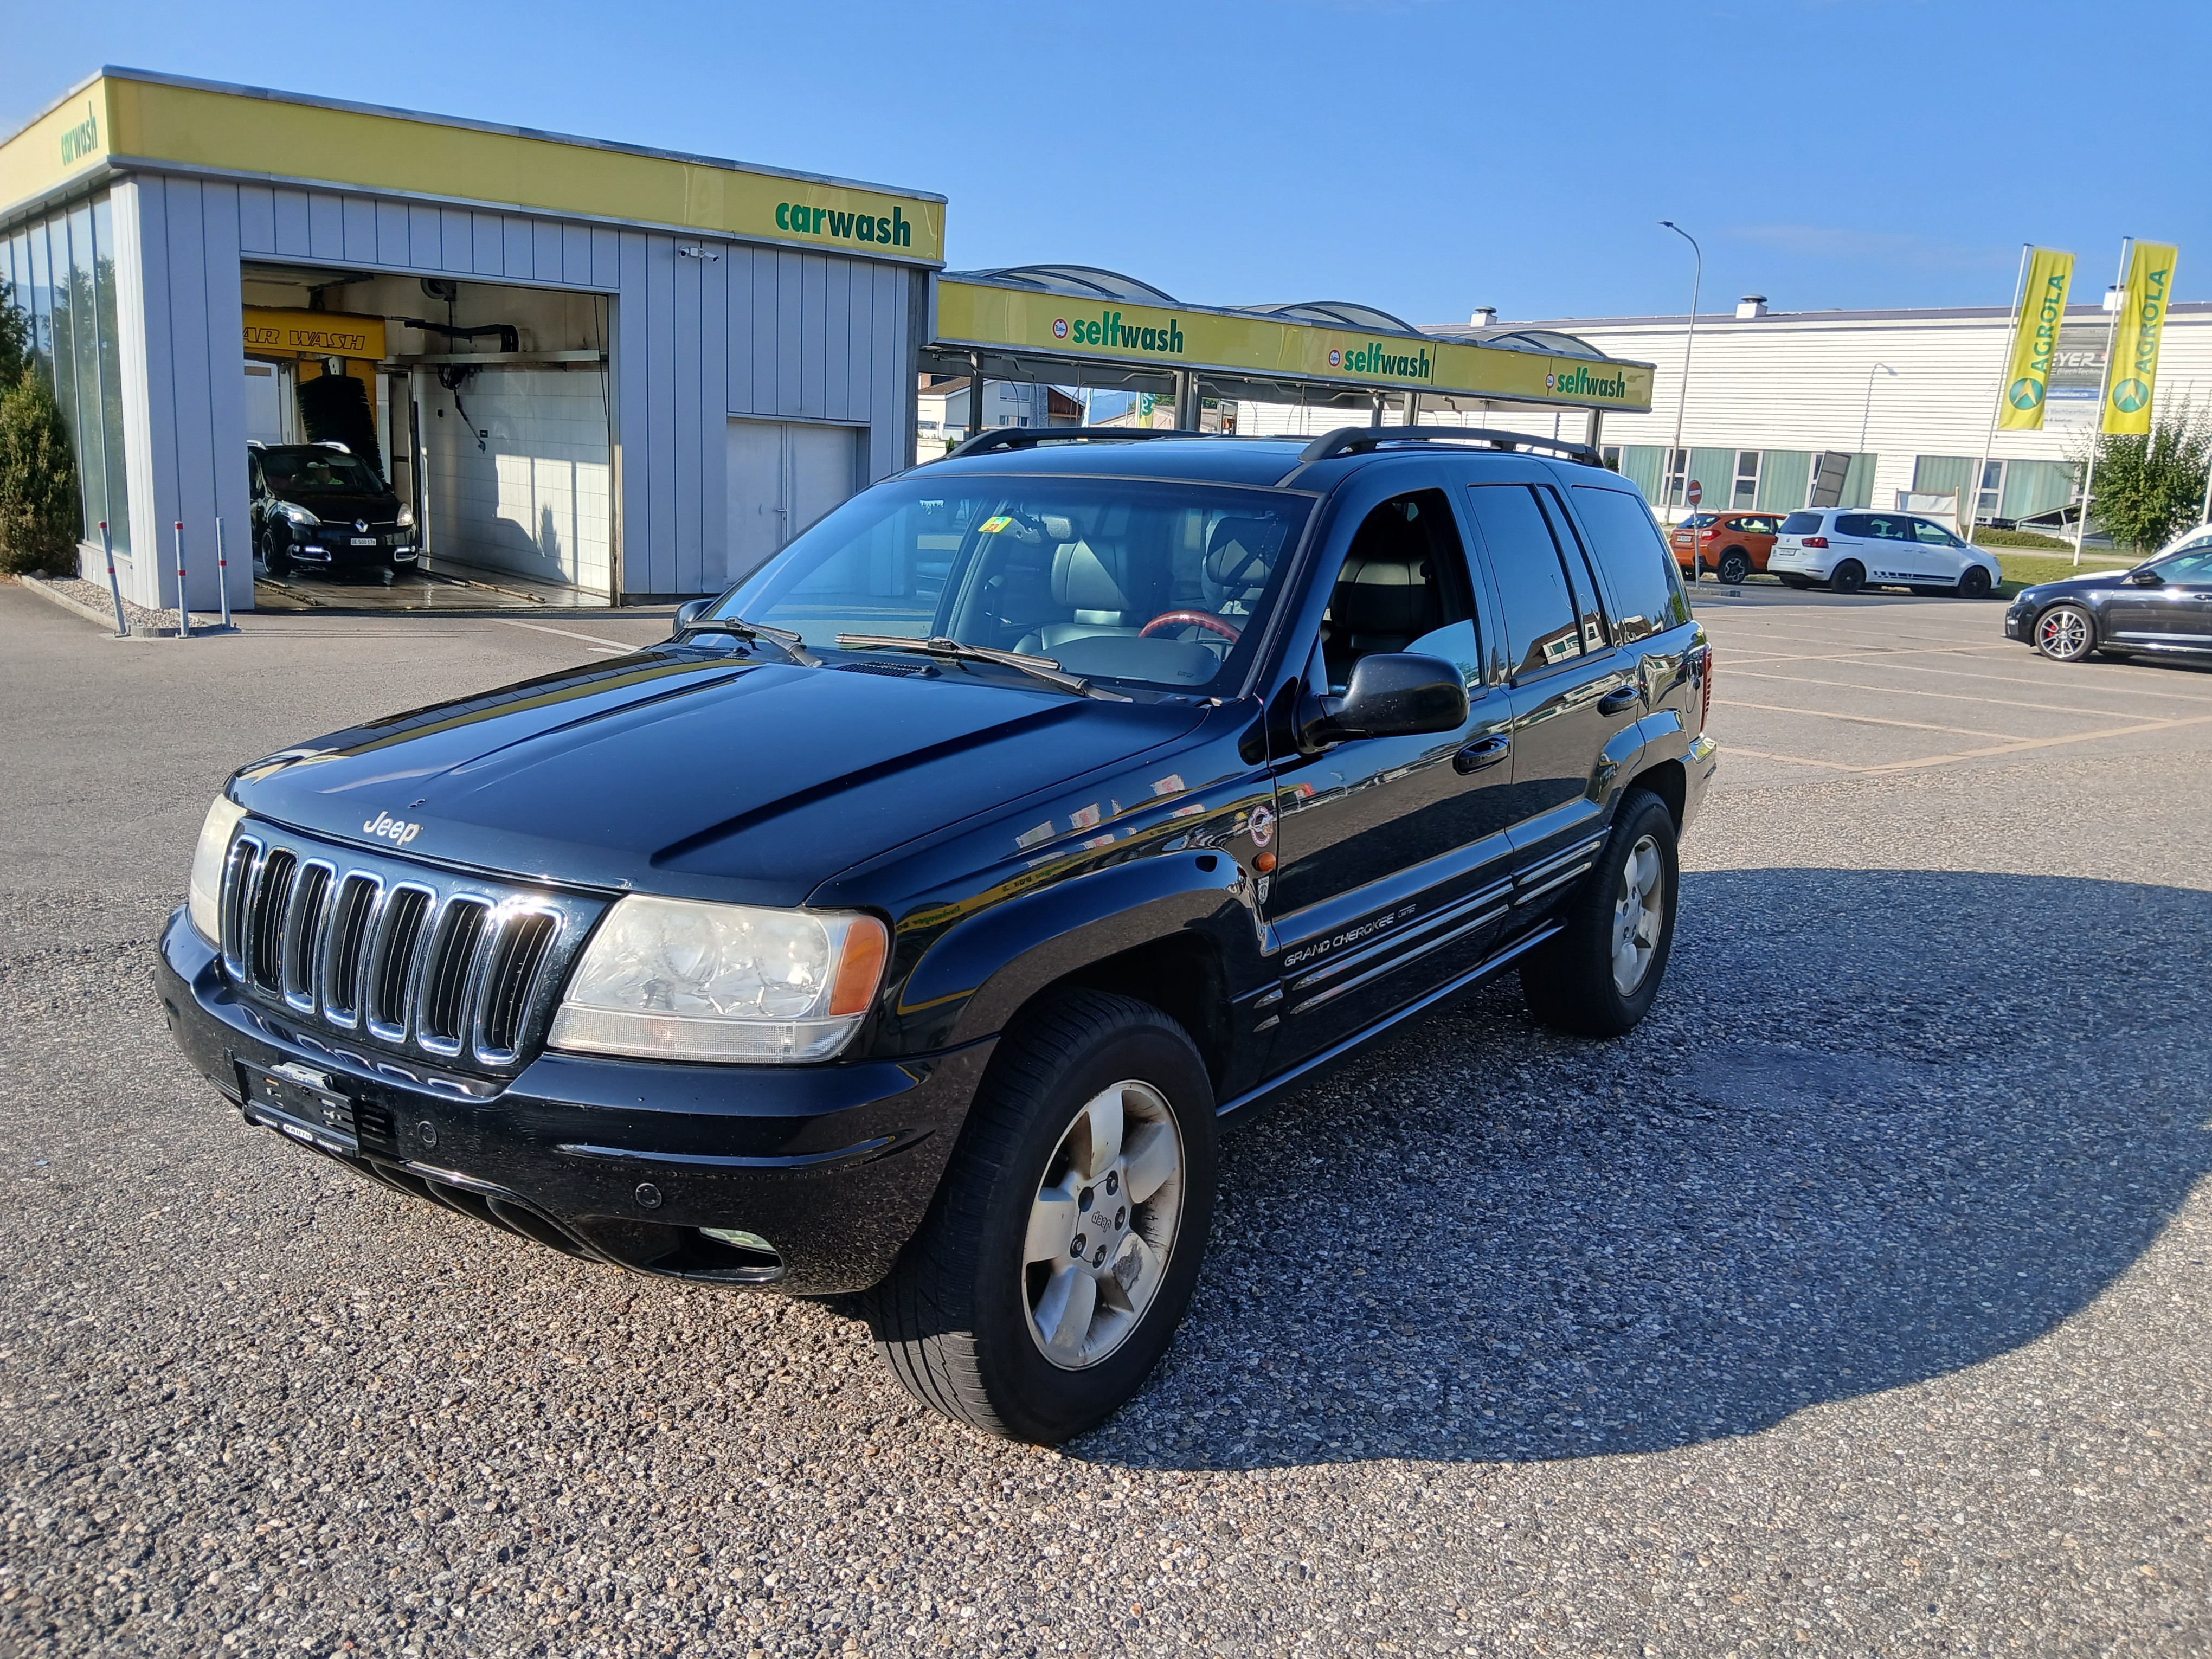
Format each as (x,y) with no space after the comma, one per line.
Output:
(1102,1224)
(1638,916)
(2063,633)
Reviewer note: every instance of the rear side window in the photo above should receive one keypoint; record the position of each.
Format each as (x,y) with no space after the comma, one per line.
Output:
(1647,589)
(1541,626)
(1802,524)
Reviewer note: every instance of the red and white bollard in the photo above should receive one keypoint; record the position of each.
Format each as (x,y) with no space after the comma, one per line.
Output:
(184,616)
(223,575)
(114,588)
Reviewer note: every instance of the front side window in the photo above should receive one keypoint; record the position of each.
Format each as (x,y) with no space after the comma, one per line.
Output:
(2192,566)
(1933,534)
(1647,588)
(1402,586)
(1164,585)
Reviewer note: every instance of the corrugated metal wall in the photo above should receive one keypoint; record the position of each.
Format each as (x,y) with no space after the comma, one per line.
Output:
(751,331)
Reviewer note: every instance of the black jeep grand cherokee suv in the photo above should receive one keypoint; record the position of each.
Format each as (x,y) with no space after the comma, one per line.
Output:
(905,922)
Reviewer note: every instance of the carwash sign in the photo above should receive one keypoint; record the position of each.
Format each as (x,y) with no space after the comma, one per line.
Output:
(1026,322)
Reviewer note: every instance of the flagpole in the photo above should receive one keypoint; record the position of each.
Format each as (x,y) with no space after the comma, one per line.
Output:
(2104,391)
(2004,367)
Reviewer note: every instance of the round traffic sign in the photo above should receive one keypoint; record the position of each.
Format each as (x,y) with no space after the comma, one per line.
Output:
(1696,492)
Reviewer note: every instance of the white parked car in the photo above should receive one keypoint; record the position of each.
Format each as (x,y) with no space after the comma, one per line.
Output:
(1850,548)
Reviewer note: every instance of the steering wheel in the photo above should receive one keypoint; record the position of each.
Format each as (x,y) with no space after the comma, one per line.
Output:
(1205,619)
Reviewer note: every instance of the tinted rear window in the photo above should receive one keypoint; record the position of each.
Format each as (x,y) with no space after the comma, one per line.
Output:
(1802,524)
(1647,589)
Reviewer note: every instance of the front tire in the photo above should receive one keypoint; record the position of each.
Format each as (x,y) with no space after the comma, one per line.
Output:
(2066,633)
(1600,976)
(276,558)
(1066,1235)
(1973,583)
(1849,577)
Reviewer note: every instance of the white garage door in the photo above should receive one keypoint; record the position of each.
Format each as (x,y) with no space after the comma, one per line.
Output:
(784,474)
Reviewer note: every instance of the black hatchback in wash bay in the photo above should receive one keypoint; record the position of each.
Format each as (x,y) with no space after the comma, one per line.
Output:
(321,506)
(903,923)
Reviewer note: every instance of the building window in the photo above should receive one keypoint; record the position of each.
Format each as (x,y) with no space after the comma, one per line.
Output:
(1746,479)
(61,270)
(1989,499)
(1611,455)
(1677,479)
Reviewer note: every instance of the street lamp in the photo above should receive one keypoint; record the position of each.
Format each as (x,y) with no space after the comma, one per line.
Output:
(1697,283)
(1867,409)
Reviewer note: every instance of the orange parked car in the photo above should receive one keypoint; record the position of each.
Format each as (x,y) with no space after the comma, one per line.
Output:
(1732,544)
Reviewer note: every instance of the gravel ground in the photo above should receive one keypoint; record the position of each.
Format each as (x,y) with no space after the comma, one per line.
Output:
(1856,1304)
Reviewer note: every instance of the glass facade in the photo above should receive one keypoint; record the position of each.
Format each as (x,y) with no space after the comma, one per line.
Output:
(61,273)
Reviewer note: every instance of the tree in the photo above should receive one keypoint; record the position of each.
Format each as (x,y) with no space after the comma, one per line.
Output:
(39,508)
(15,339)
(2150,487)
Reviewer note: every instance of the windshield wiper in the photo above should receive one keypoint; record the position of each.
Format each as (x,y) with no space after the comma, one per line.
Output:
(793,645)
(1043,668)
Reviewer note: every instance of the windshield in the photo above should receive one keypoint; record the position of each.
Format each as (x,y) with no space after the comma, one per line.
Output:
(1162,585)
(321,472)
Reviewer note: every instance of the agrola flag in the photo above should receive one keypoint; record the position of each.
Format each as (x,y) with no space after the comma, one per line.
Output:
(2133,377)
(2035,340)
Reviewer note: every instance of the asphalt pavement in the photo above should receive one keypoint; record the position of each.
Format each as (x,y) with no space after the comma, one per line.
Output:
(1855,1305)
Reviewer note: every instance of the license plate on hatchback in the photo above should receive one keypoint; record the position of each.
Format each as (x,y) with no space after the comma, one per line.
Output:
(304,1109)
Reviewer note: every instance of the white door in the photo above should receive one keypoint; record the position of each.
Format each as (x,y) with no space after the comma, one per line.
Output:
(269,402)
(783,475)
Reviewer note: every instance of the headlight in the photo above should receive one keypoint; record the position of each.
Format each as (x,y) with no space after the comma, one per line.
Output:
(672,979)
(300,516)
(204,899)
(406,519)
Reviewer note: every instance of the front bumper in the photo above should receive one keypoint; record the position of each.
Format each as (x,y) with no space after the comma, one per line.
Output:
(2019,623)
(620,1161)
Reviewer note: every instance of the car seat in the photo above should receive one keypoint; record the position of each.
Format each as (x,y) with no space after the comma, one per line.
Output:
(1385,597)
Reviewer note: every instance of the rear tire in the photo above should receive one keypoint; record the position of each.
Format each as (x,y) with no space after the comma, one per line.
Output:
(1600,976)
(1849,577)
(1736,566)
(973,1320)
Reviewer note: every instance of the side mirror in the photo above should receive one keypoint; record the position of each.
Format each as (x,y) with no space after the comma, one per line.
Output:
(2145,579)
(688,613)
(1392,694)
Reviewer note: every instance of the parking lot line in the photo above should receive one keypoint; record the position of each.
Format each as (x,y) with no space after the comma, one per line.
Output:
(1942,696)
(2041,743)
(2135,688)
(567,633)
(1791,759)
(1857,719)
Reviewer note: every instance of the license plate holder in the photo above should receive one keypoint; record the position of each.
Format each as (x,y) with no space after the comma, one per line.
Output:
(364,541)
(307,1112)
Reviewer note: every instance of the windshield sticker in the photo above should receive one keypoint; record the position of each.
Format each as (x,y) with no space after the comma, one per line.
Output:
(992,526)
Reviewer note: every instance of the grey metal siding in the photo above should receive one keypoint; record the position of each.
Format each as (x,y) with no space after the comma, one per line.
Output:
(754,331)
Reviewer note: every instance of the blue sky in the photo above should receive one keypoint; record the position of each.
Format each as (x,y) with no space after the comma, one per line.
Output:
(1421,156)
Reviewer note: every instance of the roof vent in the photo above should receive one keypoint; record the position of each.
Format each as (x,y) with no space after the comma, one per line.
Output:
(1752,305)
(1484,317)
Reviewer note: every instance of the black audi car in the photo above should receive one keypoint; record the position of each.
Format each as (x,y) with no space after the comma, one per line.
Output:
(2161,608)
(322,507)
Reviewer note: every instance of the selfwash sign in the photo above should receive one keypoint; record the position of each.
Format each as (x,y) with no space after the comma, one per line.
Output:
(1025,321)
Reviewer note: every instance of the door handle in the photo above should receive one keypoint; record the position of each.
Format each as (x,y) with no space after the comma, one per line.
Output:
(1487,751)
(1620,702)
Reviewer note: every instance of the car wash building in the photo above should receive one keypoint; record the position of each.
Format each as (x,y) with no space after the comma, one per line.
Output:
(599,372)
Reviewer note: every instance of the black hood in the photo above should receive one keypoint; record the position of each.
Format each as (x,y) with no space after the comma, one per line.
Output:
(2100,582)
(681,772)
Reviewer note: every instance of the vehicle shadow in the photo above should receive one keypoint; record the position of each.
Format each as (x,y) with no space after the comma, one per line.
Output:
(1880,1126)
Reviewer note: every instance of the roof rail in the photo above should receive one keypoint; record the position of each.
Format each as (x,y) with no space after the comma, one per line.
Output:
(1354,439)
(998,437)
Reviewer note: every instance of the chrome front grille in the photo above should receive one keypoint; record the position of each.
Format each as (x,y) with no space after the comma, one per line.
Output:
(457,969)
